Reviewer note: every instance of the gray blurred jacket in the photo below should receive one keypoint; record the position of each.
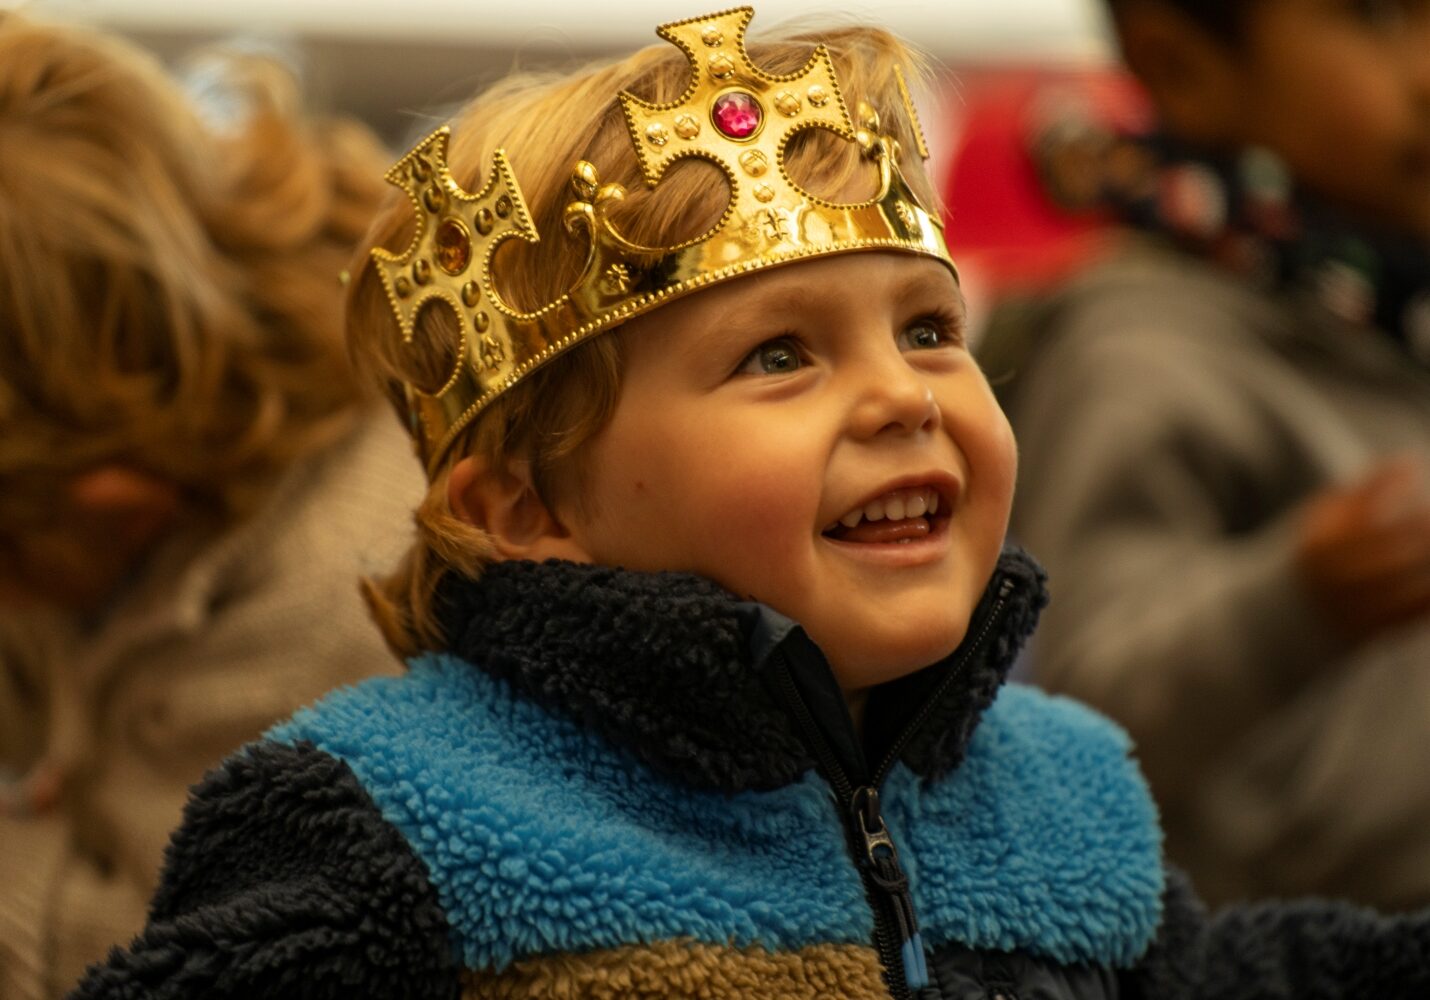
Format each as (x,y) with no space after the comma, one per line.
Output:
(1171,421)
(202,654)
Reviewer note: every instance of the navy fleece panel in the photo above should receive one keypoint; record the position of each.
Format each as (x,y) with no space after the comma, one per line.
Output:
(1306,950)
(284,881)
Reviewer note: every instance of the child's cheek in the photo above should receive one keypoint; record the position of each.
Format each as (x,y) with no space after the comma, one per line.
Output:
(760,511)
(984,435)
(1004,460)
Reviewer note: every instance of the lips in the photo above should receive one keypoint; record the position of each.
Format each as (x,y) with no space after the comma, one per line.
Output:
(899,515)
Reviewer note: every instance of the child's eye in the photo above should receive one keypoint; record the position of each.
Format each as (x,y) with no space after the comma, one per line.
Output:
(773,357)
(924,334)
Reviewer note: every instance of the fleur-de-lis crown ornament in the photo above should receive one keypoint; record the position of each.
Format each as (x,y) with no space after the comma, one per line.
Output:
(734,115)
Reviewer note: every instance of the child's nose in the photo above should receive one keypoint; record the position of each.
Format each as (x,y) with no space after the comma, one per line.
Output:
(894,398)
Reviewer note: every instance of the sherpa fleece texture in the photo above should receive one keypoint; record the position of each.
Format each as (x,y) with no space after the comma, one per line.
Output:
(297,875)
(675,969)
(583,641)
(660,664)
(541,837)
(937,746)
(1304,950)
(1044,841)
(284,881)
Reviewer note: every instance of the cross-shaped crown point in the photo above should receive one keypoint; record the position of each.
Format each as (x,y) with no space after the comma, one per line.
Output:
(734,113)
(457,233)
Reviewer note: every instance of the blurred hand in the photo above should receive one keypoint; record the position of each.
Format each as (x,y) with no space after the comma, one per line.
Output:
(33,795)
(1364,550)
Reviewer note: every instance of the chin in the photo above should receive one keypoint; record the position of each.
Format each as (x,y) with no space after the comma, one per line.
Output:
(872,667)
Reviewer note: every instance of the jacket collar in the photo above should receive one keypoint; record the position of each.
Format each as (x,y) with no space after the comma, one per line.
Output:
(678,670)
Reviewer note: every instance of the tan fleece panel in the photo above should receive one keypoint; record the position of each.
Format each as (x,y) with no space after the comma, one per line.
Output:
(686,969)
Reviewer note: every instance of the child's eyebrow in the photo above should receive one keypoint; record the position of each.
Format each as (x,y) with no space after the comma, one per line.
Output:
(802,298)
(809,298)
(805,299)
(766,309)
(933,285)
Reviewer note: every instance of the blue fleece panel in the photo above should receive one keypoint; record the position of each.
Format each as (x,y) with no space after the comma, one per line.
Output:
(541,837)
(1046,839)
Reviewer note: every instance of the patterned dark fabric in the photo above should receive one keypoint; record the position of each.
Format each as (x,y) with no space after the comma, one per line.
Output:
(1244,213)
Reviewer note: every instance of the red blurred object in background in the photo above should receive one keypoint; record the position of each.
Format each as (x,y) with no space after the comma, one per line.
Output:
(1007,234)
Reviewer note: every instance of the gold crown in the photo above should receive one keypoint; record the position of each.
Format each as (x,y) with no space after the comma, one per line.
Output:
(733,114)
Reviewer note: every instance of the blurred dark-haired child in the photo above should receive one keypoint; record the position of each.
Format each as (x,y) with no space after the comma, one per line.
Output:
(1225,438)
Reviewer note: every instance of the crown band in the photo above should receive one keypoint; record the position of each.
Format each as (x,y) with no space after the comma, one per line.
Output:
(734,115)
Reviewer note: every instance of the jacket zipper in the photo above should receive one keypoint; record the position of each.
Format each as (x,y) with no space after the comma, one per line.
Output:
(896,930)
(995,615)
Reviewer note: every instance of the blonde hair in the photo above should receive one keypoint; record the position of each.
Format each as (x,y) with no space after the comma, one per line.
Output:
(546,125)
(169,290)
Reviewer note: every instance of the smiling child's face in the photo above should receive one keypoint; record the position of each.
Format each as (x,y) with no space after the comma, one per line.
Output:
(759,419)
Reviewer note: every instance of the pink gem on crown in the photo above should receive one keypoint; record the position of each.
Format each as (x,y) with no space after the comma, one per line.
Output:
(737,114)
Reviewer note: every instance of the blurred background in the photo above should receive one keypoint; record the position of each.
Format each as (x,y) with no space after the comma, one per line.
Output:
(392,63)
(402,67)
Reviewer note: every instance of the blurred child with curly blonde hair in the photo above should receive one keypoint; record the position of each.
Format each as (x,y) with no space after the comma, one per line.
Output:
(191,481)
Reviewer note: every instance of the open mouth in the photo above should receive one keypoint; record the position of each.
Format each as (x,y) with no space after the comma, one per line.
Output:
(899,517)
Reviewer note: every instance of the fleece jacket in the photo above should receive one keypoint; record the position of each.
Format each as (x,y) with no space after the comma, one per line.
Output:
(618,784)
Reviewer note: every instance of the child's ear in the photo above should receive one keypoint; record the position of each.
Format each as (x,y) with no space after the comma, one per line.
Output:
(1192,76)
(504,503)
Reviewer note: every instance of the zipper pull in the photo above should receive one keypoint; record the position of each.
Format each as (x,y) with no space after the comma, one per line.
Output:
(881,858)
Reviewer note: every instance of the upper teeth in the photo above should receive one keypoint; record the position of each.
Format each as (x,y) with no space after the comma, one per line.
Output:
(895,506)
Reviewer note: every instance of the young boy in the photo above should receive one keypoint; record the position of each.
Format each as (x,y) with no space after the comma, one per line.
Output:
(709,615)
(1225,436)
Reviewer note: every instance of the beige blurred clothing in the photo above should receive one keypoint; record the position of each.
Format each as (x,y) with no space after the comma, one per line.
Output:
(1171,421)
(201,655)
